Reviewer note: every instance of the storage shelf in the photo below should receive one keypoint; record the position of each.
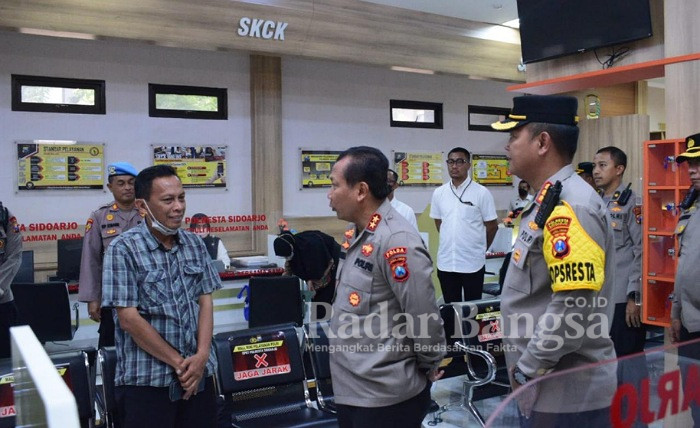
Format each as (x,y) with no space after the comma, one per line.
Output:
(607,77)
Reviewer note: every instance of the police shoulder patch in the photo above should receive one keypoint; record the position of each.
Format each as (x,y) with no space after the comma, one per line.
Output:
(575,260)
(88,225)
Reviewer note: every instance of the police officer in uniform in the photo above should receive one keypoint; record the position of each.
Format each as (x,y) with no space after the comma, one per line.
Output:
(685,312)
(559,282)
(381,372)
(10,261)
(199,224)
(105,224)
(585,171)
(627,331)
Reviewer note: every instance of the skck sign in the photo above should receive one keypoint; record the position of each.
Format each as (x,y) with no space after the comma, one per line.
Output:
(261,28)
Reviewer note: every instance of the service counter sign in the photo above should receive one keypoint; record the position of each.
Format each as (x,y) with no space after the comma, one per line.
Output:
(491,170)
(197,166)
(259,356)
(44,164)
(418,169)
(316,167)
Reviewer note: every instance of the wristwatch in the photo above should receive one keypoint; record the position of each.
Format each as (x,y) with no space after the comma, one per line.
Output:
(520,377)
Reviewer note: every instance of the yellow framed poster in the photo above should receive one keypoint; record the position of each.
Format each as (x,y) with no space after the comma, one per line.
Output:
(59,164)
(316,167)
(418,168)
(491,170)
(197,166)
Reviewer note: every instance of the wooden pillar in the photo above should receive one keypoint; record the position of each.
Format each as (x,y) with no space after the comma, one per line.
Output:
(266,143)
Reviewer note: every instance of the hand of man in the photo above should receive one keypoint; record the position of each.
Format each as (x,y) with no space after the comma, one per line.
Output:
(633,314)
(434,375)
(94,310)
(526,394)
(675,331)
(190,373)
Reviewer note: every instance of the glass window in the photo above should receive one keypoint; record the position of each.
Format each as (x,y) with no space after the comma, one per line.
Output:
(188,102)
(416,114)
(480,118)
(57,95)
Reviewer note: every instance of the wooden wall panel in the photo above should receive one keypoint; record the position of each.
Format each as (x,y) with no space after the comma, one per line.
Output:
(618,100)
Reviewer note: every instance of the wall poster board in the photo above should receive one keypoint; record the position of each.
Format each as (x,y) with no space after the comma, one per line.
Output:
(58,164)
(197,166)
(419,168)
(316,167)
(491,170)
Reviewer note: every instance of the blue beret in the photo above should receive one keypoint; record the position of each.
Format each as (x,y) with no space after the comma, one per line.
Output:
(555,109)
(121,168)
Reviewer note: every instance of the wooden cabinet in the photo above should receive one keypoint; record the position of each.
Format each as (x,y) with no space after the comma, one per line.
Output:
(665,185)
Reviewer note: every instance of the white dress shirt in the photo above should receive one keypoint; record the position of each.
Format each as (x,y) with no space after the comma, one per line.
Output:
(405,211)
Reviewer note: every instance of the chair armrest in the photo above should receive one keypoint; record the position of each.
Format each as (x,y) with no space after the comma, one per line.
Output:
(488,359)
(76,306)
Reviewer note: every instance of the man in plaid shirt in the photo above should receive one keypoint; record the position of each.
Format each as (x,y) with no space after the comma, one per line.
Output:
(159,279)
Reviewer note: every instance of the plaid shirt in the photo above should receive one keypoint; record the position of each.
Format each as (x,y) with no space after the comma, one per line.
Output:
(164,285)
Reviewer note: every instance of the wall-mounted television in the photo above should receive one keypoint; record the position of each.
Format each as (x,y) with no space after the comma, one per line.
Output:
(550,29)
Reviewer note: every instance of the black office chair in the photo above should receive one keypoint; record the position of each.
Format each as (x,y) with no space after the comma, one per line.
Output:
(108,365)
(46,308)
(275,300)
(261,377)
(319,347)
(495,288)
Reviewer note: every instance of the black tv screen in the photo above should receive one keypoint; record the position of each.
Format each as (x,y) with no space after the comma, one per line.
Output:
(554,28)
(69,252)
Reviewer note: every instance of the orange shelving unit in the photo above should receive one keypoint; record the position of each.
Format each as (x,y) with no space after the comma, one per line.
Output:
(665,185)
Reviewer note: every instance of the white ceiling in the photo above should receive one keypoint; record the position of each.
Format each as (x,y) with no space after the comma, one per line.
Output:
(489,11)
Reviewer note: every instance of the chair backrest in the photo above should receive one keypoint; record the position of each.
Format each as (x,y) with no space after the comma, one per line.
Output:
(319,349)
(25,273)
(262,369)
(482,324)
(107,357)
(275,300)
(45,307)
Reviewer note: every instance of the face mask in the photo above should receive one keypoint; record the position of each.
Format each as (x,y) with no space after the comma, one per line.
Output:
(160,227)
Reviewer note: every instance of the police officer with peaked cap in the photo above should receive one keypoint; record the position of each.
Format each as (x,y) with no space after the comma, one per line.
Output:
(585,171)
(685,312)
(559,271)
(10,261)
(103,225)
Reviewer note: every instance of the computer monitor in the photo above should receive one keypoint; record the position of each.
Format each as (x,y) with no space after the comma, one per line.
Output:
(26,268)
(69,252)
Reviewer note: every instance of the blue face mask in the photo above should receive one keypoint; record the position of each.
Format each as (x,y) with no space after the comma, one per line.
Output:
(160,227)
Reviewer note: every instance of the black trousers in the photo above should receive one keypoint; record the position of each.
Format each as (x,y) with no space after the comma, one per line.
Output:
(106,329)
(627,340)
(409,413)
(453,283)
(590,418)
(690,355)
(150,407)
(8,318)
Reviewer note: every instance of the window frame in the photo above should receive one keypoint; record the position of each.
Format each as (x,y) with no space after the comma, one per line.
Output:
(221,95)
(20,80)
(416,105)
(489,110)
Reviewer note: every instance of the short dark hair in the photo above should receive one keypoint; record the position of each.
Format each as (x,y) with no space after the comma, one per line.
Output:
(617,155)
(369,165)
(394,174)
(565,137)
(144,181)
(461,150)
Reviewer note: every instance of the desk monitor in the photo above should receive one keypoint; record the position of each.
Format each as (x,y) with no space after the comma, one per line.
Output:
(69,252)
(26,268)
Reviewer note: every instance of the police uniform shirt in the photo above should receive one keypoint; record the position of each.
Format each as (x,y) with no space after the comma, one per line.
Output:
(625,221)
(463,211)
(561,270)
(686,301)
(406,211)
(10,256)
(520,203)
(382,273)
(104,224)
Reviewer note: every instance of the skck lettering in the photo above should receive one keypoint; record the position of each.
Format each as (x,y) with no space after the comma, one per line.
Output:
(572,272)
(364,264)
(261,28)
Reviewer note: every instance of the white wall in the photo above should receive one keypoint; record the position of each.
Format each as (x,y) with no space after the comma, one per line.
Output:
(325,105)
(333,106)
(126,129)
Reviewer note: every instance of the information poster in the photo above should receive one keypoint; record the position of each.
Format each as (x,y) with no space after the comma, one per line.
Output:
(418,169)
(491,170)
(260,356)
(44,164)
(316,167)
(197,166)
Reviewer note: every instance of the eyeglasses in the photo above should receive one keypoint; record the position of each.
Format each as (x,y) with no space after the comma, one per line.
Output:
(459,162)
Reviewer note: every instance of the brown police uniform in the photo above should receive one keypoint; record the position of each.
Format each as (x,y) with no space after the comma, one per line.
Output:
(383,272)
(104,224)
(10,261)
(561,271)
